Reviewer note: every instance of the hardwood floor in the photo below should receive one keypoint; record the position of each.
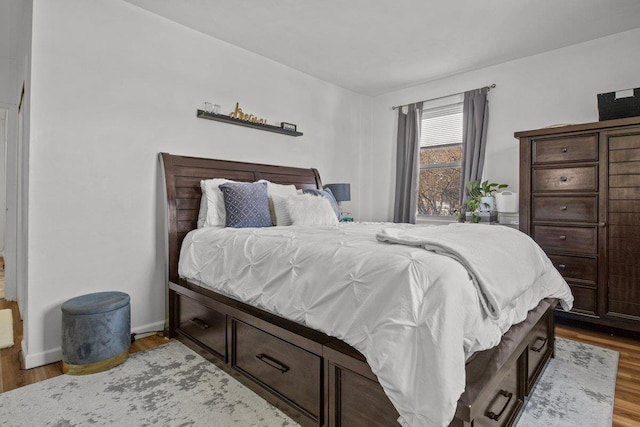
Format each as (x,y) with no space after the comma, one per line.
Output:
(626,411)
(11,376)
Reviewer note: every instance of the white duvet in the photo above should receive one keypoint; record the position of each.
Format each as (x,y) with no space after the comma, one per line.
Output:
(416,315)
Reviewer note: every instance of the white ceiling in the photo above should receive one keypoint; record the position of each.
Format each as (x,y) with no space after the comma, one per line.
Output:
(376,46)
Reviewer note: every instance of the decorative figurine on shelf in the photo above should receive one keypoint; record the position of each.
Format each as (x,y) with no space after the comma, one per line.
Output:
(288,126)
(240,115)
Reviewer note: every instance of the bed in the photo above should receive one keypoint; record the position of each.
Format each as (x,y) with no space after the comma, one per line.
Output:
(316,378)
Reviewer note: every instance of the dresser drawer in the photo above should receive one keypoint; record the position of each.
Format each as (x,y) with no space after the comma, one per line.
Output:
(283,368)
(580,209)
(565,149)
(578,178)
(585,299)
(569,239)
(576,268)
(538,352)
(203,324)
(504,404)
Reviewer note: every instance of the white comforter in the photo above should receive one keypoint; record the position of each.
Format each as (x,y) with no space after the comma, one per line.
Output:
(414,314)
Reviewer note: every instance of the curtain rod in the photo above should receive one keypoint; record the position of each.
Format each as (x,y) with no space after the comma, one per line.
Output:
(491,86)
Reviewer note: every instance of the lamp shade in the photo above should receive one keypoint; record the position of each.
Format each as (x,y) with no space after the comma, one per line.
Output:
(341,191)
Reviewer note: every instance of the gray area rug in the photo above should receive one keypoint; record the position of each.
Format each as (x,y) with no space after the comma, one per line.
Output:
(576,389)
(166,386)
(173,386)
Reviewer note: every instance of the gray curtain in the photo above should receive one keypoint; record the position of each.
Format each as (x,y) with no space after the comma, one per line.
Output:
(474,134)
(407,164)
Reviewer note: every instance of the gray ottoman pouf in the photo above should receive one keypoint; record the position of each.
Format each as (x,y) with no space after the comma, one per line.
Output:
(96,332)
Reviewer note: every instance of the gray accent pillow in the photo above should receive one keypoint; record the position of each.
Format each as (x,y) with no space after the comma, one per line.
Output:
(246,204)
(327,194)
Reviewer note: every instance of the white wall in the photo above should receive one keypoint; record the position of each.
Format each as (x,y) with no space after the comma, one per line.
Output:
(113,85)
(551,88)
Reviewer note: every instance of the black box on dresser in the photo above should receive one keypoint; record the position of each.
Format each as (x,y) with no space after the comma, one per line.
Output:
(618,105)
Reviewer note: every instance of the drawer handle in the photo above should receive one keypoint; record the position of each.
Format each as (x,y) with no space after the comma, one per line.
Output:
(563,179)
(272,362)
(539,349)
(496,417)
(563,208)
(562,265)
(199,323)
(564,149)
(562,237)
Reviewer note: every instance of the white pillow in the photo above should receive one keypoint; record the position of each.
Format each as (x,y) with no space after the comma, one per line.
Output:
(212,212)
(202,213)
(279,189)
(281,210)
(307,209)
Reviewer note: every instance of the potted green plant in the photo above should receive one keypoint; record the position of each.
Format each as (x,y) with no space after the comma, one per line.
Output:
(480,197)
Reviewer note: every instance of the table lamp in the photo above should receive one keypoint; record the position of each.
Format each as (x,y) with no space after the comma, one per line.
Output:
(342,193)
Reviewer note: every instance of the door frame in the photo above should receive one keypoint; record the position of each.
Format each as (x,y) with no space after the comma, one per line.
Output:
(14,200)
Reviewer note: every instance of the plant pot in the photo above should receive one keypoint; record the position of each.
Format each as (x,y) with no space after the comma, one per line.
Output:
(487,204)
(507,201)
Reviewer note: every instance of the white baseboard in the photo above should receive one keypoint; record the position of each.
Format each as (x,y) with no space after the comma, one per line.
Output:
(148,329)
(55,355)
(38,359)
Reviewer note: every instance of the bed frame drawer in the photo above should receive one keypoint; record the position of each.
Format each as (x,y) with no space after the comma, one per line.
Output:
(502,408)
(539,352)
(288,371)
(357,399)
(203,324)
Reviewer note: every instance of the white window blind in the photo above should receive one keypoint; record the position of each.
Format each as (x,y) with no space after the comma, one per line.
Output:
(441,125)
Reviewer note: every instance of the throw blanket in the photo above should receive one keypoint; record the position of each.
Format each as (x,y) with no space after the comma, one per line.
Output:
(484,251)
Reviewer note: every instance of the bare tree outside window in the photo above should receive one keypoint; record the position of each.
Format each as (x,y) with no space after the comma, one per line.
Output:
(440,161)
(439,187)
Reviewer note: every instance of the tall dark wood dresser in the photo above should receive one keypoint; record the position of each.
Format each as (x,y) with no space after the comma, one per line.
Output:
(580,200)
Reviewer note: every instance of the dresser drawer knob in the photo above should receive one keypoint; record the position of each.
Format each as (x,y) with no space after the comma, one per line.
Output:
(563,179)
(563,208)
(564,149)
(563,237)
(562,266)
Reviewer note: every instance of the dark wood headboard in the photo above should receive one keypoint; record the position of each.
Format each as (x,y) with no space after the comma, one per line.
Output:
(182,176)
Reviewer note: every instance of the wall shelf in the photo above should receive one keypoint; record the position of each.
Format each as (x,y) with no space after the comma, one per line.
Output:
(226,119)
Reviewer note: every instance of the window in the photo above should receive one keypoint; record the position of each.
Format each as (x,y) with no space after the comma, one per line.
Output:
(440,158)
